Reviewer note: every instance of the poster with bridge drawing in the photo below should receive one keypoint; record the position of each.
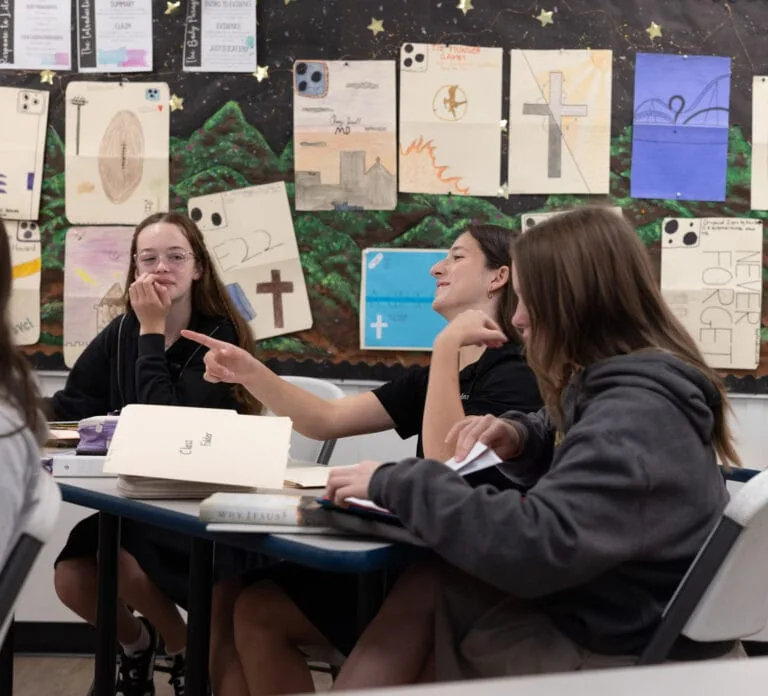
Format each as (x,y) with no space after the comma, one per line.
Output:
(450,119)
(344,120)
(396,293)
(249,234)
(96,261)
(559,121)
(23,115)
(711,277)
(26,262)
(680,127)
(117,151)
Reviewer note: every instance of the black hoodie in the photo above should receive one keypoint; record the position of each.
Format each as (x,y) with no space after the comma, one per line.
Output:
(611,518)
(120,367)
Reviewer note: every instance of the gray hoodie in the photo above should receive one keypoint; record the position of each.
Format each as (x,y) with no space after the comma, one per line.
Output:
(610,519)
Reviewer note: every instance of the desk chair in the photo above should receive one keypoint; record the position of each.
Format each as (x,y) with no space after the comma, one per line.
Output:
(723,595)
(37,529)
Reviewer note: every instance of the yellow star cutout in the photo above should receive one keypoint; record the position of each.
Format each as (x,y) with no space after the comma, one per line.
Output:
(262,72)
(177,103)
(465,6)
(46,76)
(503,191)
(171,7)
(376,26)
(654,31)
(545,17)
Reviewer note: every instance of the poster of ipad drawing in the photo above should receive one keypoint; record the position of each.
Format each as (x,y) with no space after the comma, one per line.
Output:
(117,151)
(711,276)
(396,294)
(249,233)
(114,36)
(759,185)
(24,116)
(220,36)
(35,35)
(528,220)
(559,121)
(344,122)
(96,261)
(26,261)
(450,119)
(680,127)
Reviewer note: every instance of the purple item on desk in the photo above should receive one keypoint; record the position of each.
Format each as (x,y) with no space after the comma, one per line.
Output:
(96,434)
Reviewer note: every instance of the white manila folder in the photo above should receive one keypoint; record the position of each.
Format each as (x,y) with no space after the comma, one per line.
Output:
(204,445)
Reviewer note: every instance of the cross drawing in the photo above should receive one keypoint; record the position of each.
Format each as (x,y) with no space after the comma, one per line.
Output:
(555,110)
(379,325)
(276,288)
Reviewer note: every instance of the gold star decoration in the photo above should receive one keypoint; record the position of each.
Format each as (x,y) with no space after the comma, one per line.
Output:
(176,103)
(503,124)
(654,31)
(465,6)
(171,7)
(262,72)
(503,191)
(46,76)
(545,17)
(376,26)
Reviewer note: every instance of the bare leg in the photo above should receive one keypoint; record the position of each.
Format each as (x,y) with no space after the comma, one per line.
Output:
(227,676)
(397,645)
(76,584)
(268,630)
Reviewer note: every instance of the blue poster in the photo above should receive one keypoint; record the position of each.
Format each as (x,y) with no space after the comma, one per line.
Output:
(396,300)
(680,127)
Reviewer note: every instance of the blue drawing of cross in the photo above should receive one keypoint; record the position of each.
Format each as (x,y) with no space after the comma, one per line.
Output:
(555,110)
(379,325)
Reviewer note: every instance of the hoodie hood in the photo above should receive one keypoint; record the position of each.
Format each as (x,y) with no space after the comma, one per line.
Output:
(657,371)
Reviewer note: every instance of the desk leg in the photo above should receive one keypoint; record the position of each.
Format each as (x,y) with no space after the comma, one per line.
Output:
(106,608)
(199,616)
(371,590)
(6,662)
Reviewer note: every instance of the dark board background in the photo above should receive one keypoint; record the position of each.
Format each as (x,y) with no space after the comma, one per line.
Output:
(235,131)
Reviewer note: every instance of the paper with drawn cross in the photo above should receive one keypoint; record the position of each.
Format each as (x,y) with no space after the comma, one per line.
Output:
(24,116)
(205,445)
(450,119)
(711,277)
(345,125)
(26,261)
(249,234)
(559,121)
(117,151)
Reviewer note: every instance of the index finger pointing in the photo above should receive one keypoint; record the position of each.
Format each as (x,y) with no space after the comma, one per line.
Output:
(202,339)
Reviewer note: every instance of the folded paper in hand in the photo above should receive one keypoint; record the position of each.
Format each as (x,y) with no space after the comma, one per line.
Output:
(200,444)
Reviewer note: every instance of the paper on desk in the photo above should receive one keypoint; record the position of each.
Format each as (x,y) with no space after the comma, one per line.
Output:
(201,445)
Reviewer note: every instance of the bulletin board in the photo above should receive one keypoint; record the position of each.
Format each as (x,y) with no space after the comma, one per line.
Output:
(235,131)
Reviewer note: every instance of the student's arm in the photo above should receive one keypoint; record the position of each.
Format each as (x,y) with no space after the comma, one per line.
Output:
(586,515)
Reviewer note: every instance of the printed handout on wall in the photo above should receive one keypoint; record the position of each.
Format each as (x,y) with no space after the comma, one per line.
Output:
(117,151)
(397,291)
(711,276)
(24,240)
(114,36)
(35,35)
(96,261)
(528,220)
(249,233)
(450,119)
(759,185)
(23,115)
(559,121)
(680,127)
(220,36)
(344,123)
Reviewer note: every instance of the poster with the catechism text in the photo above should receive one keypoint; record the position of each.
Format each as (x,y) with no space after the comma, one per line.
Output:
(711,276)
(220,36)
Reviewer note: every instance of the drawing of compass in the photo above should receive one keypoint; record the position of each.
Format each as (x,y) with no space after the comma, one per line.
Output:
(450,103)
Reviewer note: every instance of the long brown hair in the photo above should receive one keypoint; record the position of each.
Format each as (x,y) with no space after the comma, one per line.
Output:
(591,294)
(496,244)
(209,296)
(17,384)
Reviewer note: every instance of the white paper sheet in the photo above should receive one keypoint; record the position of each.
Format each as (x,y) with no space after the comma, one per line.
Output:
(711,276)
(220,36)
(24,240)
(528,220)
(35,35)
(114,36)
(759,184)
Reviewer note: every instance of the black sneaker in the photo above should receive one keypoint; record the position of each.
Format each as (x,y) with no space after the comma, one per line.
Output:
(177,668)
(135,673)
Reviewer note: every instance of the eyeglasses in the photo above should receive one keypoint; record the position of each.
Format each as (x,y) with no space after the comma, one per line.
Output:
(173,259)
